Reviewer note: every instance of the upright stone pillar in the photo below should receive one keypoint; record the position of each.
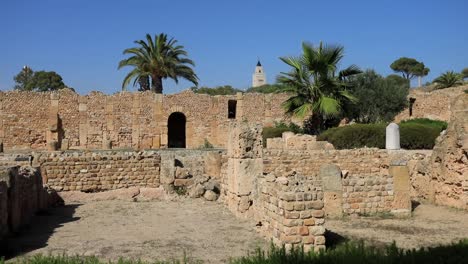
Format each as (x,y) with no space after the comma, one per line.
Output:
(401,206)
(392,137)
(332,190)
(83,119)
(245,166)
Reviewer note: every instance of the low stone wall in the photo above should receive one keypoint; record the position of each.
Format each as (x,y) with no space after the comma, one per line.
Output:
(292,141)
(99,171)
(21,195)
(291,210)
(365,182)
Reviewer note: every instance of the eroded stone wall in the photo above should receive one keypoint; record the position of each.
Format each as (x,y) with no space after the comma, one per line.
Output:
(443,176)
(22,193)
(433,105)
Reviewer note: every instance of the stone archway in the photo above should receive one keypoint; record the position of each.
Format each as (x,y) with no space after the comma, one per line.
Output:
(176,130)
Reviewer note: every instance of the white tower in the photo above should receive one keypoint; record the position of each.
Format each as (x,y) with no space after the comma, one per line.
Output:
(258,78)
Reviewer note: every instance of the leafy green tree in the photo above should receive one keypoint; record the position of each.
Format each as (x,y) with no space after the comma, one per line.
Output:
(47,81)
(40,81)
(267,88)
(409,68)
(421,71)
(220,90)
(156,60)
(319,89)
(380,99)
(464,73)
(23,79)
(448,79)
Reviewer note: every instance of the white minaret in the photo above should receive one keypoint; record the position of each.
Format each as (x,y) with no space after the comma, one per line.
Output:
(258,78)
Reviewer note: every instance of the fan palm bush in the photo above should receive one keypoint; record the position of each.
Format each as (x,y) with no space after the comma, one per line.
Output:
(157,59)
(448,79)
(319,89)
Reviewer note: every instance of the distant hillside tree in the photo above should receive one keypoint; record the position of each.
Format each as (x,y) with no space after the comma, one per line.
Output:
(23,79)
(157,59)
(448,79)
(464,73)
(267,88)
(40,81)
(380,99)
(220,90)
(409,68)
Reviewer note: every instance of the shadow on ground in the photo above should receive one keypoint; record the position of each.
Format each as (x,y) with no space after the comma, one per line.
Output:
(36,234)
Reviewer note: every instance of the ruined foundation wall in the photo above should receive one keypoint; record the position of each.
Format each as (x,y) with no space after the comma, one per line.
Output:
(21,195)
(290,209)
(366,184)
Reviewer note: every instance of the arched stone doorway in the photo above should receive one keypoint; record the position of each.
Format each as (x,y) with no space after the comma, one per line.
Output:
(176,130)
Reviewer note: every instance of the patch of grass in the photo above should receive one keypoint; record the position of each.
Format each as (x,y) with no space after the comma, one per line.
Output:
(358,252)
(64,259)
(206,145)
(180,190)
(441,125)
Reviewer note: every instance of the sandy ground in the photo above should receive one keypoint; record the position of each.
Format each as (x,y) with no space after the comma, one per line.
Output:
(429,226)
(147,230)
(205,231)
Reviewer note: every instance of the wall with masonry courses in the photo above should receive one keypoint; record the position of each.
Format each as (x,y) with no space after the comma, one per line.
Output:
(30,120)
(367,185)
(99,171)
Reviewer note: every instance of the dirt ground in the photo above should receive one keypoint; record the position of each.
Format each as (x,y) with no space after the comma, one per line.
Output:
(429,226)
(204,231)
(147,230)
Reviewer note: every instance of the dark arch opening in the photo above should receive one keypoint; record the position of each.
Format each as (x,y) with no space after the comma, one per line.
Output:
(176,130)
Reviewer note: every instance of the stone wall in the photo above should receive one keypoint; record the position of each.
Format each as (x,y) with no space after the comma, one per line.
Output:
(366,185)
(288,209)
(433,105)
(99,171)
(66,120)
(442,177)
(21,195)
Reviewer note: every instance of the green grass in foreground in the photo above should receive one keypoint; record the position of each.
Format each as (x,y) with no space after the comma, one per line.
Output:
(351,252)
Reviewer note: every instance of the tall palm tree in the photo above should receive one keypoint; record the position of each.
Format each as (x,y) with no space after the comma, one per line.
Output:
(156,60)
(318,88)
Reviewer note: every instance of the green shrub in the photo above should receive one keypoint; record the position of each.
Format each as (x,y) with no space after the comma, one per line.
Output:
(418,134)
(355,136)
(441,125)
(358,252)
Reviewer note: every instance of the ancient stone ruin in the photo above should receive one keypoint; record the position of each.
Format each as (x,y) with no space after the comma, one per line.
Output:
(64,143)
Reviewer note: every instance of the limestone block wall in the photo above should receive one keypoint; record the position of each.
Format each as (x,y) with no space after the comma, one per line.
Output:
(292,210)
(366,186)
(433,105)
(38,120)
(292,141)
(99,171)
(21,195)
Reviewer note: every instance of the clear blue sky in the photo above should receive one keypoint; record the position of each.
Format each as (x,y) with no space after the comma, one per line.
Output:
(83,40)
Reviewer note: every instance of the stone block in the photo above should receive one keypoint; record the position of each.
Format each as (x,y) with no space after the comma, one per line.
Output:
(243,174)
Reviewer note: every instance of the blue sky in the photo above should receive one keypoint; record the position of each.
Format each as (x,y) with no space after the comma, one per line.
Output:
(83,40)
